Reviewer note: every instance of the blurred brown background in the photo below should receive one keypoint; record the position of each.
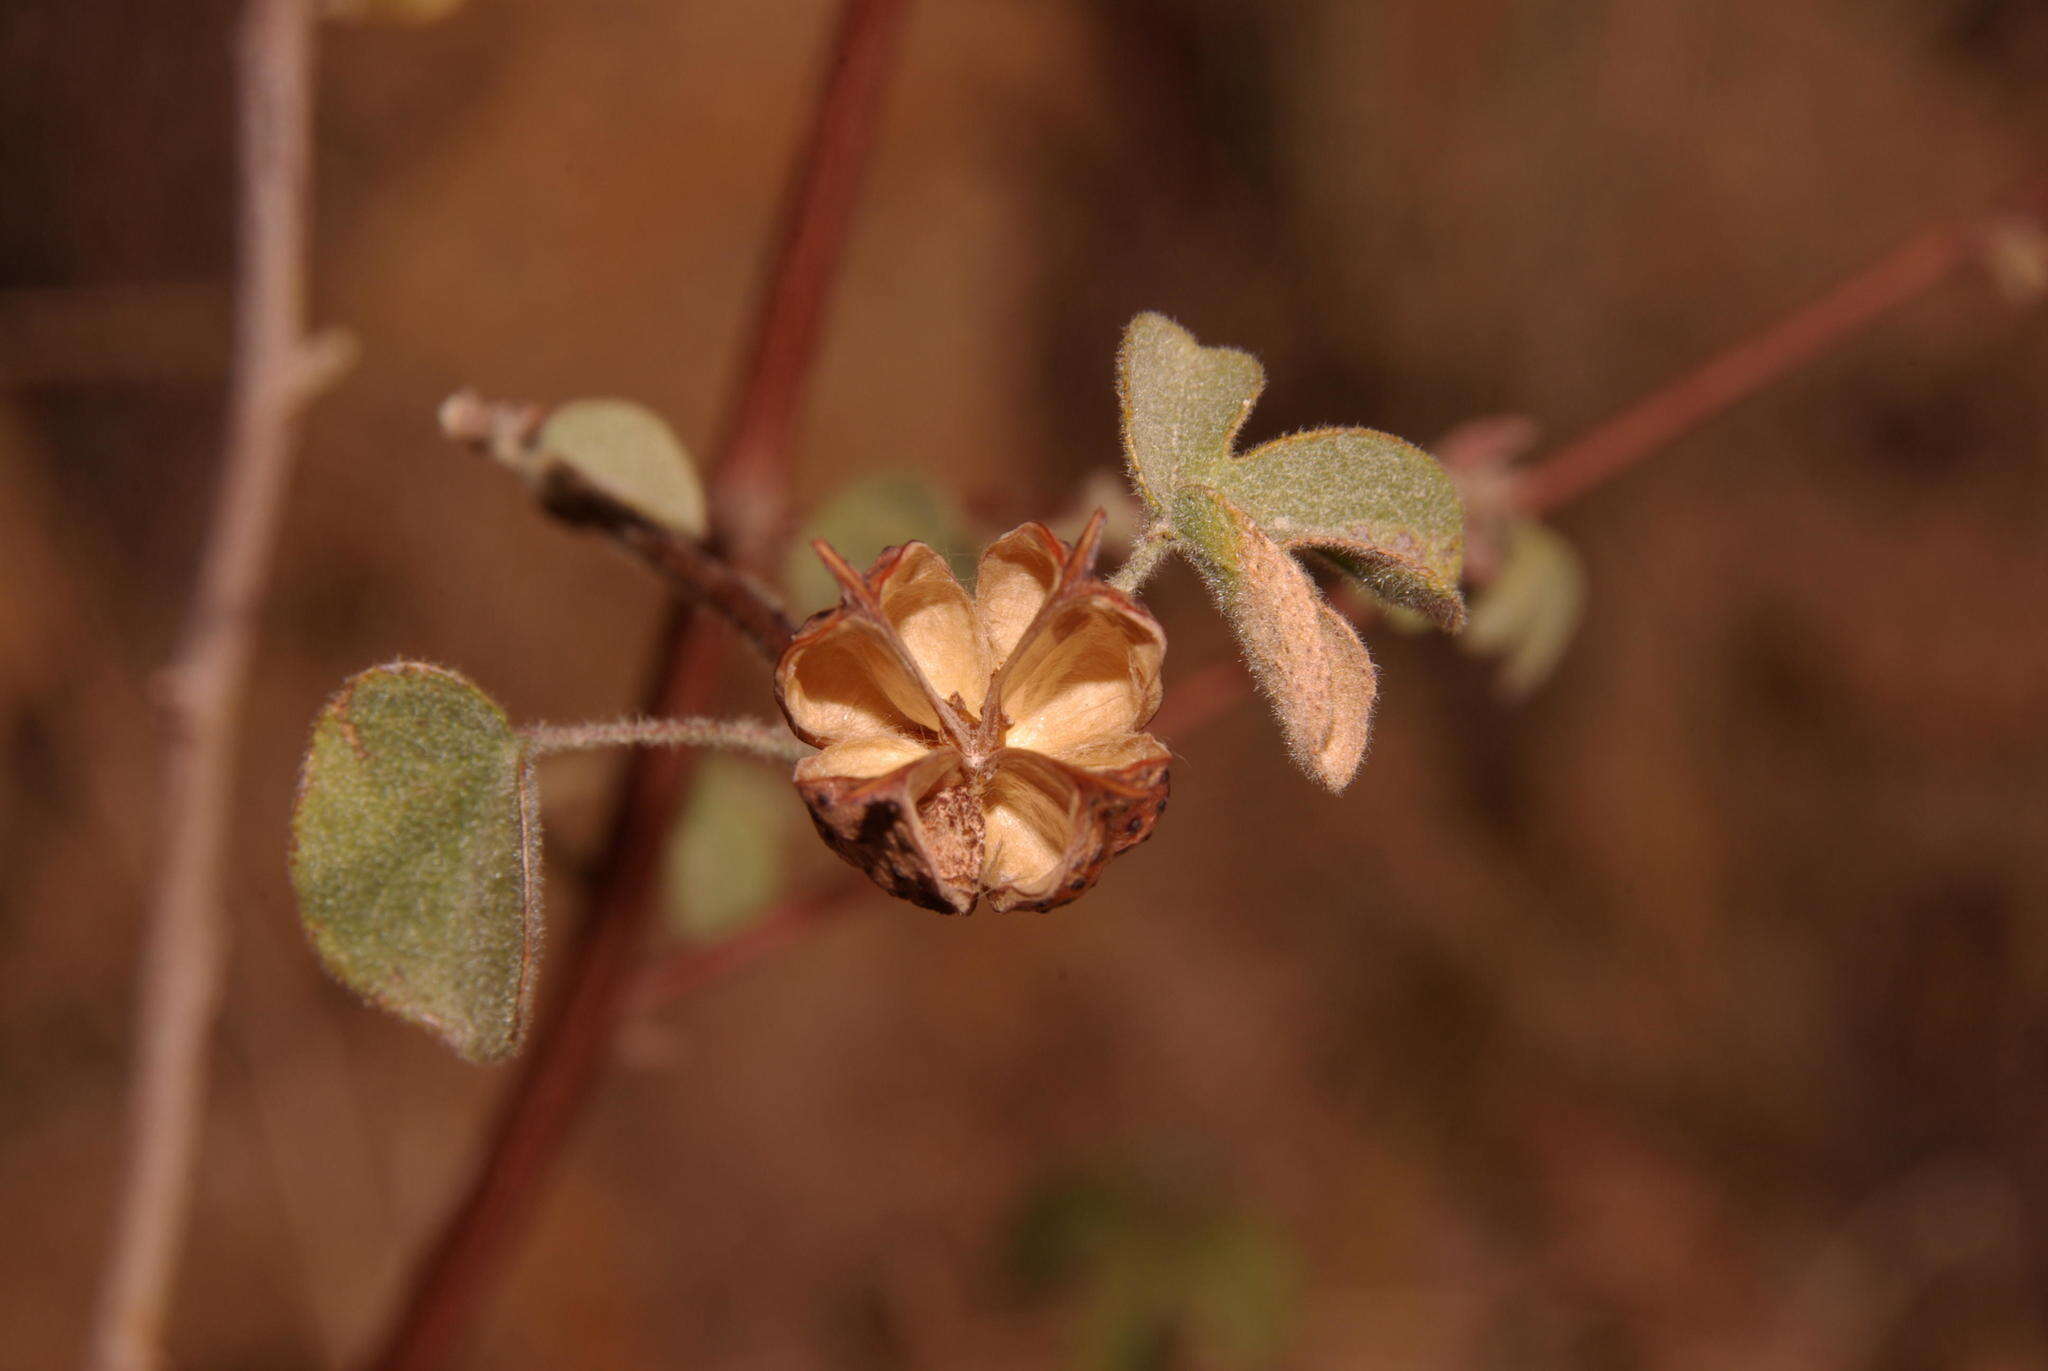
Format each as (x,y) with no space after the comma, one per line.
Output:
(1690,1015)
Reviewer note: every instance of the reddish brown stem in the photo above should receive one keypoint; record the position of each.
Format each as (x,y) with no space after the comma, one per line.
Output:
(1909,271)
(1668,413)
(572,1046)
(735,594)
(508,432)
(750,491)
(689,969)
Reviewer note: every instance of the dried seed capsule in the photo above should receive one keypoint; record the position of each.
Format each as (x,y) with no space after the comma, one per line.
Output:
(984,746)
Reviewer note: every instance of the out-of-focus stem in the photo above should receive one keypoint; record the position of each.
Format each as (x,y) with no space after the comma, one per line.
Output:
(275,369)
(687,970)
(750,506)
(1668,413)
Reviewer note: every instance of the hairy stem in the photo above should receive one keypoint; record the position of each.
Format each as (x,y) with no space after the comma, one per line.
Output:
(1146,554)
(770,742)
(275,369)
(751,505)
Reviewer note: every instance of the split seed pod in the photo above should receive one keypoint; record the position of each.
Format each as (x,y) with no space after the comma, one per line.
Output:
(984,746)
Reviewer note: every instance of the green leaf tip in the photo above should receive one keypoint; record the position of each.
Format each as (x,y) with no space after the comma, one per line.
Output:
(629,452)
(1368,503)
(415,855)
(1182,406)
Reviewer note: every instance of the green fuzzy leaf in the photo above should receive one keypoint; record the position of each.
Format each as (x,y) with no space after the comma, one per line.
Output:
(415,855)
(1527,615)
(1381,508)
(1305,656)
(1376,507)
(728,857)
(864,517)
(629,452)
(1182,406)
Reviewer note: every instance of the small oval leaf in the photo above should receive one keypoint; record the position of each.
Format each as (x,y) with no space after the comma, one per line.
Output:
(415,855)
(629,452)
(1381,508)
(1182,405)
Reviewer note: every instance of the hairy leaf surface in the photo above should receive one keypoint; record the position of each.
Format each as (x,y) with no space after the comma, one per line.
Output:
(414,856)
(1182,406)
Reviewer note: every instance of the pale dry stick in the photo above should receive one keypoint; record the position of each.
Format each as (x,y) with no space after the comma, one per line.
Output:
(276,368)
(749,504)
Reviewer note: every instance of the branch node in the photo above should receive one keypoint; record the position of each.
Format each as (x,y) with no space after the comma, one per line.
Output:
(321,362)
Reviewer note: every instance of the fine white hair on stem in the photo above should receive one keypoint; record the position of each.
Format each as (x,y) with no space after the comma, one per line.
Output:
(770,742)
(1146,552)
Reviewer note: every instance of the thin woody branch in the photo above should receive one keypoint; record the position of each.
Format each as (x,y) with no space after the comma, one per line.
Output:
(686,970)
(750,505)
(740,598)
(507,431)
(1675,409)
(276,368)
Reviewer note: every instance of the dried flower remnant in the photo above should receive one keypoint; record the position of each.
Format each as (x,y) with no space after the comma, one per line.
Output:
(979,746)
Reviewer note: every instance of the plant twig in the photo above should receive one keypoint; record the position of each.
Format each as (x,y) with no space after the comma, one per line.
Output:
(275,370)
(1146,552)
(507,431)
(689,969)
(750,489)
(750,502)
(770,742)
(1667,414)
